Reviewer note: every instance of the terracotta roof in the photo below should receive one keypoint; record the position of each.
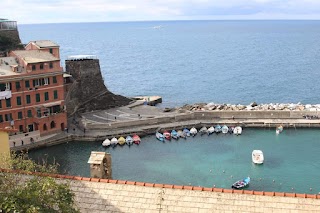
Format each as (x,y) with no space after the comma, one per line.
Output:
(45,43)
(34,56)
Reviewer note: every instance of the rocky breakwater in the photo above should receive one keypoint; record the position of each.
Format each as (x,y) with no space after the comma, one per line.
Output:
(88,91)
(251,107)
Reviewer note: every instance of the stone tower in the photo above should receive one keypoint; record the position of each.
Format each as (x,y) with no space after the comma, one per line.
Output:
(9,37)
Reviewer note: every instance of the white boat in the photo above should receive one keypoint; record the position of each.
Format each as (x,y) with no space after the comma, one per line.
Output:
(203,130)
(237,130)
(160,136)
(193,131)
(257,156)
(279,129)
(181,134)
(114,141)
(224,129)
(106,142)
(129,140)
(210,130)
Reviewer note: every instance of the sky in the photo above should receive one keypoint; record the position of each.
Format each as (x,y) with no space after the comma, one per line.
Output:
(61,11)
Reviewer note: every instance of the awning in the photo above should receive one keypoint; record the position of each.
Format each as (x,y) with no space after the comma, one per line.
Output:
(66,75)
(52,104)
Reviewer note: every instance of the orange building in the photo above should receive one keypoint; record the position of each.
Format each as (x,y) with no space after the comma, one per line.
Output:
(32,89)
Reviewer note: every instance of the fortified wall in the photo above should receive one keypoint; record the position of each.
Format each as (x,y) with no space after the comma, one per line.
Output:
(88,92)
(9,39)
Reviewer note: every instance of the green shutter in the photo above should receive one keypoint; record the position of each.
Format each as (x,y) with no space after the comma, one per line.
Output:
(46,96)
(28,99)
(37,97)
(55,94)
(8,102)
(1,119)
(29,113)
(19,100)
(19,115)
(54,79)
(27,83)
(18,85)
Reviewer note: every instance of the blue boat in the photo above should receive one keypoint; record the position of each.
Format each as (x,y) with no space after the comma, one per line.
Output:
(129,140)
(174,134)
(240,184)
(217,128)
(160,136)
(186,132)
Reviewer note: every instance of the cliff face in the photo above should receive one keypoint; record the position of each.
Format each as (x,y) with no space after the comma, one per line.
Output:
(88,91)
(9,40)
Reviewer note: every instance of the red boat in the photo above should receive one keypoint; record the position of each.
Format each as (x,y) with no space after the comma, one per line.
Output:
(167,135)
(136,139)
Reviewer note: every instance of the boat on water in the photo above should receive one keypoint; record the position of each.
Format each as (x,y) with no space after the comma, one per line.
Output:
(230,130)
(203,130)
(240,184)
(279,129)
(181,134)
(121,141)
(217,128)
(237,130)
(224,129)
(210,130)
(136,139)
(167,135)
(193,131)
(174,134)
(186,132)
(257,157)
(160,136)
(129,140)
(106,142)
(114,141)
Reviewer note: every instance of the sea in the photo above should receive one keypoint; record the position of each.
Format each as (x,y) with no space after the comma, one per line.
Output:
(186,62)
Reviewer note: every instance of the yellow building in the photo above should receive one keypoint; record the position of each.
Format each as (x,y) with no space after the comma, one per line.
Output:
(4,146)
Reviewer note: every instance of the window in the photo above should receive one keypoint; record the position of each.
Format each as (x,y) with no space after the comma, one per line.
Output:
(46,81)
(1,119)
(8,86)
(46,96)
(51,50)
(44,127)
(0,104)
(52,124)
(8,102)
(50,65)
(18,85)
(2,87)
(21,128)
(29,113)
(28,99)
(8,117)
(18,100)
(37,97)
(54,79)
(41,66)
(36,82)
(33,67)
(19,115)
(38,112)
(27,83)
(55,94)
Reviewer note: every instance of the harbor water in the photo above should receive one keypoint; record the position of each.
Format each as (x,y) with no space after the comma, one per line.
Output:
(291,160)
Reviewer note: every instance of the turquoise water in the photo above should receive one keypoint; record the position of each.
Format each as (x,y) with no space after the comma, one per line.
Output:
(198,61)
(291,160)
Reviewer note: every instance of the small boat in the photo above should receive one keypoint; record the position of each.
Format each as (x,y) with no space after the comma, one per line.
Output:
(257,156)
(106,142)
(203,130)
(121,141)
(181,134)
(167,135)
(136,139)
(237,130)
(224,129)
(240,184)
(279,129)
(230,130)
(160,136)
(129,140)
(114,142)
(217,128)
(210,130)
(174,134)
(186,132)
(193,131)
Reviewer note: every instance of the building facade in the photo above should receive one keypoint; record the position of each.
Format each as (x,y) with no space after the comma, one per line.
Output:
(32,89)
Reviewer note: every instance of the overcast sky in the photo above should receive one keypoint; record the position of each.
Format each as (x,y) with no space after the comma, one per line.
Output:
(56,11)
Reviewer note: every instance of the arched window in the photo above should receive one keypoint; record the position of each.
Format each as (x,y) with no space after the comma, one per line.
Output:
(52,124)
(44,127)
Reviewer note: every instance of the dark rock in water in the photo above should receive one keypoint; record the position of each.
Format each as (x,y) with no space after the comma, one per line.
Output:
(88,92)
(253,104)
(167,109)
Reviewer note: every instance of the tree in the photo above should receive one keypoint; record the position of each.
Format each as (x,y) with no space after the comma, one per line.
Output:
(20,192)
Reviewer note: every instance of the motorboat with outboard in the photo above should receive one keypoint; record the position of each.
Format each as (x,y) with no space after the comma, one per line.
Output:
(160,136)
(224,129)
(240,184)
(193,131)
(203,130)
(106,142)
(237,130)
(210,130)
(174,134)
(257,156)
(129,140)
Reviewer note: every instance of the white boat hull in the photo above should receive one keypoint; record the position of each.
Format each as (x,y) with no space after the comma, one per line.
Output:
(106,142)
(257,157)
(237,130)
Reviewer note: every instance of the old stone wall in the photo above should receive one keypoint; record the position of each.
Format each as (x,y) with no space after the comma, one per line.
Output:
(88,92)
(9,40)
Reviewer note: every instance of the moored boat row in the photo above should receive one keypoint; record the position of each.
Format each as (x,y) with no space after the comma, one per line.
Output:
(122,141)
(193,132)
